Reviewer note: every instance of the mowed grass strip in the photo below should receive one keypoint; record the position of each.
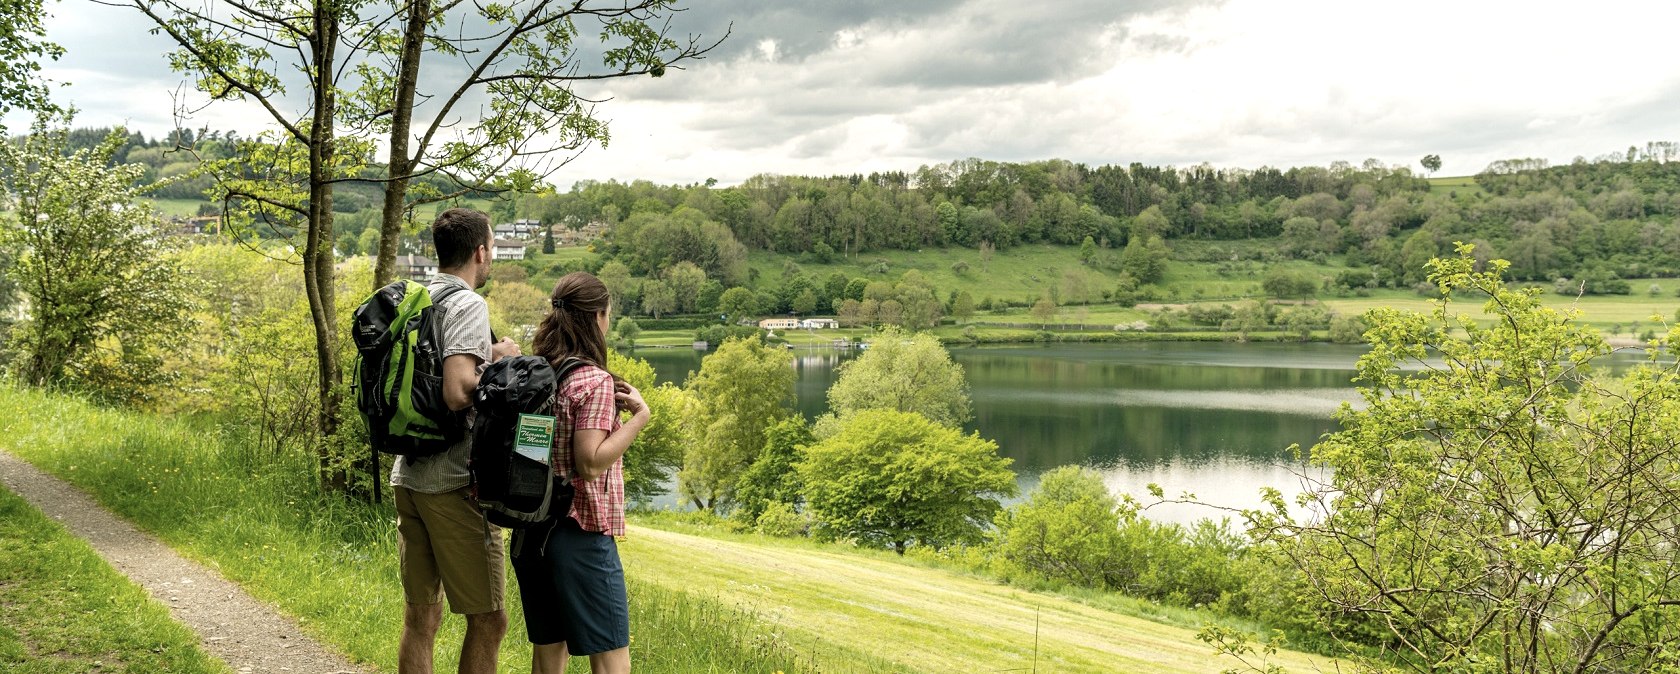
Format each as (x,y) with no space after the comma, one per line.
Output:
(63,609)
(922,619)
(330,562)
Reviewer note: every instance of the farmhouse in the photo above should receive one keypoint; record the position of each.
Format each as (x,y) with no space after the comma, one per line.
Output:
(415,266)
(508,249)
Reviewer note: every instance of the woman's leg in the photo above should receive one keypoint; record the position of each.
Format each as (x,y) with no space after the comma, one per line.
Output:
(549,658)
(610,662)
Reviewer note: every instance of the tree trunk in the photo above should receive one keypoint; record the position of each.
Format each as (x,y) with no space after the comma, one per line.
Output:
(400,164)
(317,253)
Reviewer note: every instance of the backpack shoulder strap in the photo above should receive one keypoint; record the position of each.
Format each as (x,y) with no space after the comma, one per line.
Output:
(441,295)
(565,369)
(437,320)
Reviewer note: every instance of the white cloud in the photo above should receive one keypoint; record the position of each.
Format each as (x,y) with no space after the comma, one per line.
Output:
(1239,83)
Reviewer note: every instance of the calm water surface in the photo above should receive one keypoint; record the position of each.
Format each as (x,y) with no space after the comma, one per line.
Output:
(1213,419)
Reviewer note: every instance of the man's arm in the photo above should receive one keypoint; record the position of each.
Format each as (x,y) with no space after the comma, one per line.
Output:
(460,377)
(460,373)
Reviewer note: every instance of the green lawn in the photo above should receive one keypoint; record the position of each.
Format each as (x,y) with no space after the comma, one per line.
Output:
(63,609)
(331,563)
(916,617)
(1022,274)
(184,208)
(1463,186)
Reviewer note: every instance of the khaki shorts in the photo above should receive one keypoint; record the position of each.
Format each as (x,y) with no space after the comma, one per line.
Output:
(448,549)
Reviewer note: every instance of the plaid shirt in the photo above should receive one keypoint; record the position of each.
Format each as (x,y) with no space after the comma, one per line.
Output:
(585,401)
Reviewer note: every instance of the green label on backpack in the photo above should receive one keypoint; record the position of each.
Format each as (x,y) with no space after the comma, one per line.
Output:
(534,436)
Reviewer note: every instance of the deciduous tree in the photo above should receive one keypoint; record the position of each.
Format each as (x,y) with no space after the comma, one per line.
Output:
(1494,504)
(894,479)
(106,301)
(741,389)
(908,373)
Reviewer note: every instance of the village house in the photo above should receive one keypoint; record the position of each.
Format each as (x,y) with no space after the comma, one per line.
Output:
(416,267)
(519,229)
(566,236)
(507,249)
(779,324)
(819,324)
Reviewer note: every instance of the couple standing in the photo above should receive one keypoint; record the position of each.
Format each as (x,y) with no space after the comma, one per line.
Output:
(569,575)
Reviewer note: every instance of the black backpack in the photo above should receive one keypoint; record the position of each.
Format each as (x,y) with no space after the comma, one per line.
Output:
(398,380)
(514,402)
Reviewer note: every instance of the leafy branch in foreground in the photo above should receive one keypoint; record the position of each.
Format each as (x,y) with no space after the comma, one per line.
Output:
(1496,506)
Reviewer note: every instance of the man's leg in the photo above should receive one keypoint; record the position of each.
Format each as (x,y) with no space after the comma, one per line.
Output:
(421,587)
(420,626)
(610,662)
(549,658)
(483,642)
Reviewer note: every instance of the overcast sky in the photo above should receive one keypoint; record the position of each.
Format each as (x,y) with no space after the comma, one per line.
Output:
(836,86)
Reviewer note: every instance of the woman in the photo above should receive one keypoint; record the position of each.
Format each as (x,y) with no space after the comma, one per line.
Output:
(570,578)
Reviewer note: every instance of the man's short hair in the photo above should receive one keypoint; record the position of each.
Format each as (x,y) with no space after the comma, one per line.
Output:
(456,233)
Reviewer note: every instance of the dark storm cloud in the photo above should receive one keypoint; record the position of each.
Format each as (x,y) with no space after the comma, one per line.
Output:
(935,45)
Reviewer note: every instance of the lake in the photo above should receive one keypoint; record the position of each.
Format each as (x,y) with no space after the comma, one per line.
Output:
(1214,419)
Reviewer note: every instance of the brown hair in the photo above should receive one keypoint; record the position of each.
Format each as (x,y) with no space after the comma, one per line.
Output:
(570,330)
(458,232)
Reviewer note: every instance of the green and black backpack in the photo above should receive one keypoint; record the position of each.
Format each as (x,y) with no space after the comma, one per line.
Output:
(398,380)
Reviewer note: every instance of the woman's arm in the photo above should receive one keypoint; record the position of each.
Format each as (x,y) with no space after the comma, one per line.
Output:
(594,450)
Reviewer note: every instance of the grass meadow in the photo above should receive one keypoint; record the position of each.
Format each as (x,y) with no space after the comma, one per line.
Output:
(260,521)
(63,609)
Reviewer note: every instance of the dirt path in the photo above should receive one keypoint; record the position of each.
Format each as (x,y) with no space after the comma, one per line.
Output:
(247,634)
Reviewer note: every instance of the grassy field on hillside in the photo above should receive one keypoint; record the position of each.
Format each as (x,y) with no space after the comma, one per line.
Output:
(1022,274)
(1463,186)
(63,609)
(920,619)
(699,604)
(331,563)
(184,208)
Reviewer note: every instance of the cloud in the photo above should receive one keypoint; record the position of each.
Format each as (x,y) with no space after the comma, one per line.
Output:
(812,87)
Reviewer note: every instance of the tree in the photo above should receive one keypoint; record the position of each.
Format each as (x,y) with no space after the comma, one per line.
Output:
(616,277)
(685,280)
(517,64)
(1285,284)
(1145,259)
(849,312)
(772,478)
(658,450)
(1494,504)
(962,308)
(894,479)
(1045,310)
(1087,250)
(628,330)
(106,302)
(890,312)
(517,308)
(742,389)
(1068,529)
(1431,163)
(805,302)
(658,298)
(23,45)
(949,224)
(737,304)
(908,373)
(284,176)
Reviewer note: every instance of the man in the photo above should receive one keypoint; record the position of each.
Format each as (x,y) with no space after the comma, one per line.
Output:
(447,549)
